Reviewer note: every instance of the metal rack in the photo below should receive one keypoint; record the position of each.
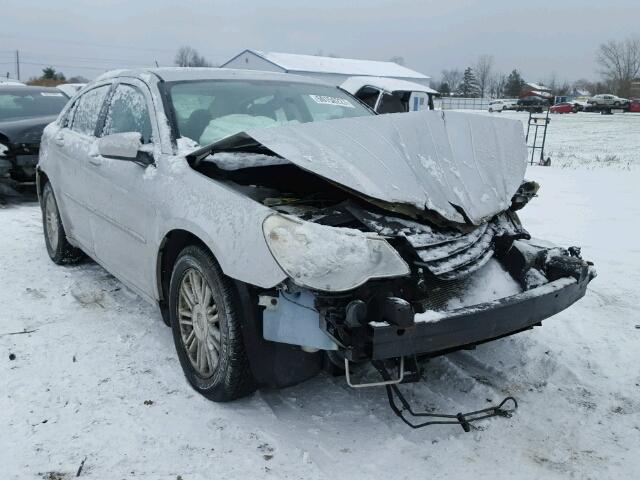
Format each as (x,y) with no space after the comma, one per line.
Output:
(540,123)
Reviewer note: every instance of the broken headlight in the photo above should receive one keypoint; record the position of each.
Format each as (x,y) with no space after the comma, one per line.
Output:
(329,258)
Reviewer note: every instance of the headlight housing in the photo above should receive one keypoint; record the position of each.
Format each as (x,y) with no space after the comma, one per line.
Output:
(3,150)
(327,258)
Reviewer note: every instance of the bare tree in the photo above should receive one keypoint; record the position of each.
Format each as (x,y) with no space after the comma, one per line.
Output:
(496,85)
(482,70)
(452,78)
(189,57)
(620,63)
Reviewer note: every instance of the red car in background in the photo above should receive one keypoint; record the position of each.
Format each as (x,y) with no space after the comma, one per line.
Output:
(634,106)
(563,108)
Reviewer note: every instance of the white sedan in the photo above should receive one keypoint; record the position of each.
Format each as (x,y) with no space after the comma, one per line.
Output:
(280,225)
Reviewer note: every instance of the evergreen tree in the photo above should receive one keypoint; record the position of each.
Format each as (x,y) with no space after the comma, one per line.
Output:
(469,86)
(444,88)
(50,73)
(514,84)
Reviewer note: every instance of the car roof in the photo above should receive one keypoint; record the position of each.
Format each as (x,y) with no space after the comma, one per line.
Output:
(353,84)
(27,88)
(175,74)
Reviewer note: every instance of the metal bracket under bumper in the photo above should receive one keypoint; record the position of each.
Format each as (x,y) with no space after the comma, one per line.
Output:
(470,326)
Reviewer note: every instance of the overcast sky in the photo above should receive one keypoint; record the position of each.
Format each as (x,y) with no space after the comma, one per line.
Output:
(539,37)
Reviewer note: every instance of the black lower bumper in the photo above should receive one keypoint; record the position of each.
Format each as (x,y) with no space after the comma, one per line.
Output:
(469,326)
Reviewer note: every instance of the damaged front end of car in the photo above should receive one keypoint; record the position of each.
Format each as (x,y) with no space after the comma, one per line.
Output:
(399,235)
(411,289)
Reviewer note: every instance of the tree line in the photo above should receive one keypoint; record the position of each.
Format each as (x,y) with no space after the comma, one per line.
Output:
(618,61)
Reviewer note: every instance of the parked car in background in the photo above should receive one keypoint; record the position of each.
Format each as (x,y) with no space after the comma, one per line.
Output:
(634,105)
(390,95)
(532,104)
(607,100)
(500,105)
(279,224)
(70,89)
(564,107)
(11,82)
(24,112)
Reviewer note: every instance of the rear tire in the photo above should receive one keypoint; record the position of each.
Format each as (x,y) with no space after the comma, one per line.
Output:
(207,327)
(58,247)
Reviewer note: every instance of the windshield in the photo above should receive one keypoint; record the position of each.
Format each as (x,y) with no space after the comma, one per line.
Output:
(17,104)
(207,111)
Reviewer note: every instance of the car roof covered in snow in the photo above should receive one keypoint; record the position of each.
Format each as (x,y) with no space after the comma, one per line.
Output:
(175,74)
(353,84)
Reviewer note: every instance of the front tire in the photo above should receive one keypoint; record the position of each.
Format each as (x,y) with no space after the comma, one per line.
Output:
(207,327)
(58,247)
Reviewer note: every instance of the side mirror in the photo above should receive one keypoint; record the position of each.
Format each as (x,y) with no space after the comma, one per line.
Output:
(124,146)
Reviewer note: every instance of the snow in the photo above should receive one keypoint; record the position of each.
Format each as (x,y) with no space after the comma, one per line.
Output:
(589,140)
(491,282)
(576,378)
(238,160)
(346,66)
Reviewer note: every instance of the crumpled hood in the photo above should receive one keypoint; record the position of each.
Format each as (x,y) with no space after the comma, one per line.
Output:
(456,164)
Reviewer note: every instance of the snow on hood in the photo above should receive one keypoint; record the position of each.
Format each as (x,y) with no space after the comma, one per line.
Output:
(456,164)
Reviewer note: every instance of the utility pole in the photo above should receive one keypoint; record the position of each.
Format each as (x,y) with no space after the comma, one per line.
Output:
(18,64)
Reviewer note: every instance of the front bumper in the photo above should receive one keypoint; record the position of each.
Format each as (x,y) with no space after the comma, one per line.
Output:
(469,326)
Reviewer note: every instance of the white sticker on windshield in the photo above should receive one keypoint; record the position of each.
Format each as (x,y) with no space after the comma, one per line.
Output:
(326,100)
(50,94)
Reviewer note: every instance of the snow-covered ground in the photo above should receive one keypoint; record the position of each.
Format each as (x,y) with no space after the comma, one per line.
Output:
(589,140)
(97,377)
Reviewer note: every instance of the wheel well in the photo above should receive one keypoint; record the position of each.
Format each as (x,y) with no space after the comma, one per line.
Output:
(42,180)
(171,246)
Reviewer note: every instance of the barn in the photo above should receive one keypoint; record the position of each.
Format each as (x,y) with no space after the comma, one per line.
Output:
(330,69)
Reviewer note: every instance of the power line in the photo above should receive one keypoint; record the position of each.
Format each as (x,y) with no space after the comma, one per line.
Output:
(84,44)
(88,67)
(82,59)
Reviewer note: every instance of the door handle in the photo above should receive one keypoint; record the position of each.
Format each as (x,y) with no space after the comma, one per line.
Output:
(59,139)
(95,160)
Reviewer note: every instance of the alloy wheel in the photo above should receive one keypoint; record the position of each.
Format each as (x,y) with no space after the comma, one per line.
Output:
(199,322)
(51,221)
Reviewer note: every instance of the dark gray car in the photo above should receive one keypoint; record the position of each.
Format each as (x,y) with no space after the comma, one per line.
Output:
(24,112)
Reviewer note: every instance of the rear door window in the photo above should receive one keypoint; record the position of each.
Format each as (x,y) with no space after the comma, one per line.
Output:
(87,110)
(128,112)
(391,104)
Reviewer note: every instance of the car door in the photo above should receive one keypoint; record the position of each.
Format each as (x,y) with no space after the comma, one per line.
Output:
(124,209)
(72,144)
